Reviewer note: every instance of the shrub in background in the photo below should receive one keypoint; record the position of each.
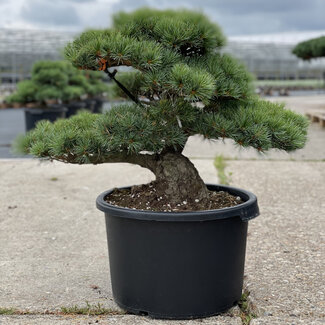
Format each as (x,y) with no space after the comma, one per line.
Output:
(56,81)
(314,48)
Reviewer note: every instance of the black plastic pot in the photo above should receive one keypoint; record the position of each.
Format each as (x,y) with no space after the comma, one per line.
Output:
(98,108)
(74,107)
(90,104)
(178,265)
(34,115)
(95,105)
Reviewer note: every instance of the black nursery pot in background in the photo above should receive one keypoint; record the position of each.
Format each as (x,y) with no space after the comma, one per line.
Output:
(98,108)
(51,113)
(95,105)
(178,265)
(90,104)
(74,107)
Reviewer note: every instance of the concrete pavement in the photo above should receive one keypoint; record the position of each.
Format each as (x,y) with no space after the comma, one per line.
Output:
(53,240)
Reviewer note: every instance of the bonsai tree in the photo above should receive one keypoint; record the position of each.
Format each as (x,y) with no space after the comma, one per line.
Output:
(95,88)
(48,80)
(182,86)
(25,93)
(77,84)
(54,81)
(314,48)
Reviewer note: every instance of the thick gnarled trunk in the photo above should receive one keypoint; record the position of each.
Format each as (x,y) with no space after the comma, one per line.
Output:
(178,179)
(176,176)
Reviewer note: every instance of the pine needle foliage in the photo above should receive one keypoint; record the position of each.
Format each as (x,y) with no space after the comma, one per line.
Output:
(182,86)
(314,48)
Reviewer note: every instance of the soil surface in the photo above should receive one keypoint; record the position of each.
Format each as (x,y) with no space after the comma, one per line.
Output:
(145,197)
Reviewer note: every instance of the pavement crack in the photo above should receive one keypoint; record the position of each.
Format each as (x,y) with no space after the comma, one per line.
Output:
(90,310)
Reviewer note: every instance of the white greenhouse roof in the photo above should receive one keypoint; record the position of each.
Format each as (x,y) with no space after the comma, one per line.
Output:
(19,49)
(32,41)
(288,38)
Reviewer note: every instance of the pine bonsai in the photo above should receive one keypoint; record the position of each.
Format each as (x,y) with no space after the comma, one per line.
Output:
(76,86)
(55,81)
(182,86)
(96,88)
(48,80)
(25,93)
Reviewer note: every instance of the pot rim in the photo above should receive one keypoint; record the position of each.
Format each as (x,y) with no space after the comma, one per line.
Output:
(76,104)
(246,210)
(40,110)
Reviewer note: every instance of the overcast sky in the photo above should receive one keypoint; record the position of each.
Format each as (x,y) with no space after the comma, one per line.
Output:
(236,17)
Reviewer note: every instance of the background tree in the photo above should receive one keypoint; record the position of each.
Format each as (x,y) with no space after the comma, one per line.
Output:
(182,86)
(48,80)
(314,48)
(57,81)
(95,85)
(311,49)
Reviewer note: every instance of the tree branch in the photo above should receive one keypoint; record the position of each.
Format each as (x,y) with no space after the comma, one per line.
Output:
(144,160)
(127,92)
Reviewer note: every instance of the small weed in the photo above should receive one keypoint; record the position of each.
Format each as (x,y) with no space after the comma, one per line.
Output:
(89,310)
(220,165)
(53,179)
(246,315)
(8,311)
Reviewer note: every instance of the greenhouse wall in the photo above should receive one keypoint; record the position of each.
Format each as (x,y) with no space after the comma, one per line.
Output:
(267,57)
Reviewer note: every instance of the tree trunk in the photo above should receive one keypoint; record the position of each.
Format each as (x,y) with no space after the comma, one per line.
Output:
(177,178)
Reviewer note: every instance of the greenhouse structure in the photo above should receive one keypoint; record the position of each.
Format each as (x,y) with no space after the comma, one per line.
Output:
(269,57)
(266,56)
(19,49)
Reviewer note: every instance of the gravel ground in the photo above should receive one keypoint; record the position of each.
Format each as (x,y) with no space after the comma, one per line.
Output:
(285,253)
(286,321)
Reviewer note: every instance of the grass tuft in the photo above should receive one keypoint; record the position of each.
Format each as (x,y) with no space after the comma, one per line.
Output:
(8,311)
(89,310)
(246,314)
(220,165)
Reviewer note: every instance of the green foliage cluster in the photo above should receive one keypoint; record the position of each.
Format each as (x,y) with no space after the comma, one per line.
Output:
(56,80)
(95,85)
(8,311)
(25,93)
(314,48)
(220,165)
(186,31)
(188,87)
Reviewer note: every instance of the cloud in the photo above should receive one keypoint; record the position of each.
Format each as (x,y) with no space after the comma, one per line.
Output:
(239,7)
(50,13)
(236,17)
(248,16)
(80,1)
